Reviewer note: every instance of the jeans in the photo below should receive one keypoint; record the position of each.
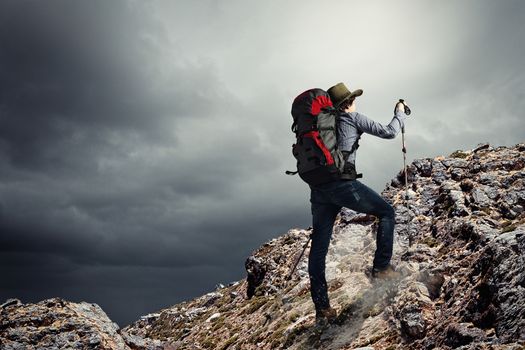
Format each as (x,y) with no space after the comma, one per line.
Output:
(327,199)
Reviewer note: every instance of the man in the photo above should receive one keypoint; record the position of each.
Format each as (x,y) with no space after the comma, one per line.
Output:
(328,198)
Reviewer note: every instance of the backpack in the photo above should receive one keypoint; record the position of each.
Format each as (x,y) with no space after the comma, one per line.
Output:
(315,126)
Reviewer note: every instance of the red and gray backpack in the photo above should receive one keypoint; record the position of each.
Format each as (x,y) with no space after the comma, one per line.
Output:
(315,127)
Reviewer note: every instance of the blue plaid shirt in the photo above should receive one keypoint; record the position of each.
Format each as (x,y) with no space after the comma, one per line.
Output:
(352,125)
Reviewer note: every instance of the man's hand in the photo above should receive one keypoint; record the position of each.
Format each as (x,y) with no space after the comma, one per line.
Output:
(400,107)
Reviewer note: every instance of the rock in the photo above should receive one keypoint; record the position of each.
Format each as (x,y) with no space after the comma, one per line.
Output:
(139,343)
(492,193)
(467,185)
(506,277)
(480,198)
(194,313)
(211,298)
(439,172)
(412,324)
(455,163)
(57,323)
(423,166)
(149,318)
(10,302)
(458,207)
(481,147)
(459,154)
(450,202)
(487,179)
(458,334)
(433,280)
(213,317)
(457,174)
(256,272)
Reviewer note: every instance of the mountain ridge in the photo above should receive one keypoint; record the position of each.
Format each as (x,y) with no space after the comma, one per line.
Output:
(459,244)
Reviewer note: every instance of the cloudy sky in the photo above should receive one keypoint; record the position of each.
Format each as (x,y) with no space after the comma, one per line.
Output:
(143,144)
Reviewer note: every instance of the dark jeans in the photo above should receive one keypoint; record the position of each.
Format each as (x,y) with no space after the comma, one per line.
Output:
(327,199)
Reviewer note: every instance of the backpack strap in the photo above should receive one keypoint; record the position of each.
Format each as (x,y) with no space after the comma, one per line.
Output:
(355,146)
(349,172)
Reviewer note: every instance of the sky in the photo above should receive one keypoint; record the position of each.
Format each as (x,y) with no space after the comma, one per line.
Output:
(143,144)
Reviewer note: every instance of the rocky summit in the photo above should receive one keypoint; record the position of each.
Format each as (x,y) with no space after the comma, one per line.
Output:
(459,248)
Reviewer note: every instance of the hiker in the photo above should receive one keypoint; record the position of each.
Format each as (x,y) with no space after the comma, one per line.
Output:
(328,198)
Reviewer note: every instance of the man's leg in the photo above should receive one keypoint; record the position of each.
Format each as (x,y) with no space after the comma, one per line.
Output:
(361,198)
(324,215)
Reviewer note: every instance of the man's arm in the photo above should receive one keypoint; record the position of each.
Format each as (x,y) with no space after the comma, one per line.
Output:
(371,127)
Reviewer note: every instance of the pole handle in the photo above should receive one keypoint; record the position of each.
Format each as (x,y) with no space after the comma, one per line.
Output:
(407,109)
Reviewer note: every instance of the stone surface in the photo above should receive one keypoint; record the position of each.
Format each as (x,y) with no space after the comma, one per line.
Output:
(459,245)
(58,324)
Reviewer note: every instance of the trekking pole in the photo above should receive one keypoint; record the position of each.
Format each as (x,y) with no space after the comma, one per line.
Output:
(404,149)
(279,297)
(299,259)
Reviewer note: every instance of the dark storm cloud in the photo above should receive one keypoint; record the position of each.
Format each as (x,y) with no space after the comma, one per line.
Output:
(101,125)
(120,157)
(143,145)
(74,74)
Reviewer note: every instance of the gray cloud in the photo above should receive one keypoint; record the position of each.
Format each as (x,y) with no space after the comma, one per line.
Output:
(143,145)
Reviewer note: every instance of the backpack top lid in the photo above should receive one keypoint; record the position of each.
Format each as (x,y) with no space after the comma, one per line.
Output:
(310,102)
(307,106)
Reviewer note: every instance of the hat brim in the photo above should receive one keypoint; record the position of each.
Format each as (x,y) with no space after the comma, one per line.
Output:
(352,94)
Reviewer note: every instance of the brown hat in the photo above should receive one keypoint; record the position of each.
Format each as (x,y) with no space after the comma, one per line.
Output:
(340,93)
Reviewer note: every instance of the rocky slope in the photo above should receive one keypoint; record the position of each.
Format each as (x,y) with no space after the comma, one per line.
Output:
(459,245)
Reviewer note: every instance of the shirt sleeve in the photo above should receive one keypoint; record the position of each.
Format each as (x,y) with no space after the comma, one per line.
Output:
(371,127)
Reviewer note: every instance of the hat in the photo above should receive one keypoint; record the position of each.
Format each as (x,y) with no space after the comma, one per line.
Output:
(339,93)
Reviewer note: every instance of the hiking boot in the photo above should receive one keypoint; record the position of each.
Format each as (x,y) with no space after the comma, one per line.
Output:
(386,273)
(325,316)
